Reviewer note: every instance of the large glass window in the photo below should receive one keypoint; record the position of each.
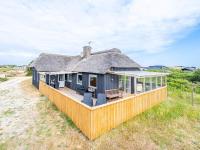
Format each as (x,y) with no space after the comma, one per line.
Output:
(159,82)
(42,77)
(147,84)
(153,79)
(121,82)
(79,78)
(93,81)
(66,76)
(140,85)
(164,81)
(69,77)
(61,77)
(125,84)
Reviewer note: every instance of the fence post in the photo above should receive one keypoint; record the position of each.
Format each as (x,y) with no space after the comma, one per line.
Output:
(192,94)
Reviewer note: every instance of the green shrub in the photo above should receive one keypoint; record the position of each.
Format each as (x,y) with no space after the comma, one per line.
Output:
(3,79)
(196,76)
(28,72)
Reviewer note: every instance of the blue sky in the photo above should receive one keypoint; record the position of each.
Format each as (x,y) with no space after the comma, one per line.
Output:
(151,32)
(185,51)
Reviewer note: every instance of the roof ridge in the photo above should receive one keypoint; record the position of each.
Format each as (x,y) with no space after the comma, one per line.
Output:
(42,54)
(113,50)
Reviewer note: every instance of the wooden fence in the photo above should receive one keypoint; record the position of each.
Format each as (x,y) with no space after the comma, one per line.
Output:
(94,121)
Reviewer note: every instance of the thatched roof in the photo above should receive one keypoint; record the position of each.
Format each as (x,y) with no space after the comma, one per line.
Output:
(99,62)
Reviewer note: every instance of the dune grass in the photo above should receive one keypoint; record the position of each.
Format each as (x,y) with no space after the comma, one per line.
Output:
(173,124)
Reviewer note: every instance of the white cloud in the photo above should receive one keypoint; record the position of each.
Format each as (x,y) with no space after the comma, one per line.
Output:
(65,26)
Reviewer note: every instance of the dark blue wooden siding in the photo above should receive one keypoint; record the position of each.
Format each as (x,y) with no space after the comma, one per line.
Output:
(47,79)
(100,84)
(111,81)
(104,81)
(35,78)
(132,85)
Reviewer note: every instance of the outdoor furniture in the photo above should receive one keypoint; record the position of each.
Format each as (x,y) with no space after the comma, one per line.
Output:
(114,93)
(101,99)
(81,90)
(92,90)
(87,99)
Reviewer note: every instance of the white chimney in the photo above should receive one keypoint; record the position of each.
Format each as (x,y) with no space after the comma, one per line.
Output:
(86,51)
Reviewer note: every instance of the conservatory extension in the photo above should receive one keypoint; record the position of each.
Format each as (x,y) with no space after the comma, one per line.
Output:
(136,82)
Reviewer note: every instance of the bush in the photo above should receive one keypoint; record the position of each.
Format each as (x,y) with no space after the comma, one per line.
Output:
(196,76)
(28,72)
(179,80)
(3,79)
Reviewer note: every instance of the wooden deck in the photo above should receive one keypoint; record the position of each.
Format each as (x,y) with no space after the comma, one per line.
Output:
(94,121)
(71,93)
(77,96)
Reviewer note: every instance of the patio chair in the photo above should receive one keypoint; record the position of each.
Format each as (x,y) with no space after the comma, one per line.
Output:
(87,99)
(81,90)
(101,99)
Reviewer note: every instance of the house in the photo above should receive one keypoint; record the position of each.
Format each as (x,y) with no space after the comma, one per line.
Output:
(95,72)
(64,79)
(22,68)
(157,67)
(190,69)
(178,67)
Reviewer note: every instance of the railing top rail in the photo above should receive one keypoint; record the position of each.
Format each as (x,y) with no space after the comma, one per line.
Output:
(110,103)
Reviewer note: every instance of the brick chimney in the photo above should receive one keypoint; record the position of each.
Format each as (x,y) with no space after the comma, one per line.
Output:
(86,51)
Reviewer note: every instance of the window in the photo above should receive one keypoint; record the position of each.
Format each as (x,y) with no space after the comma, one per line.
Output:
(147,84)
(66,77)
(121,83)
(61,77)
(69,77)
(125,84)
(79,78)
(153,83)
(93,81)
(164,81)
(42,77)
(159,82)
(140,85)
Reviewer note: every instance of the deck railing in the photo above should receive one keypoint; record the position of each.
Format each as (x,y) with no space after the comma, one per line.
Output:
(94,121)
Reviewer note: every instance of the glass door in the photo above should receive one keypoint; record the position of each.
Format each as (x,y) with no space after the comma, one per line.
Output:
(61,79)
(125,84)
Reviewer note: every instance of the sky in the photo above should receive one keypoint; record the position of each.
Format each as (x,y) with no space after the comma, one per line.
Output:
(151,32)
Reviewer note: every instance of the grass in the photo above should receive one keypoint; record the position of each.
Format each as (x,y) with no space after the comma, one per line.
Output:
(174,124)
(49,108)
(8,112)
(5,69)
(3,146)
(29,72)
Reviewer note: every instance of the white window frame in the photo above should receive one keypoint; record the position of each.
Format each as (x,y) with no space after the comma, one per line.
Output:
(92,75)
(42,77)
(68,78)
(79,74)
(63,77)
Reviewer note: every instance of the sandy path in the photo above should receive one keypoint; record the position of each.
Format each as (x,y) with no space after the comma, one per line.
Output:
(17,108)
